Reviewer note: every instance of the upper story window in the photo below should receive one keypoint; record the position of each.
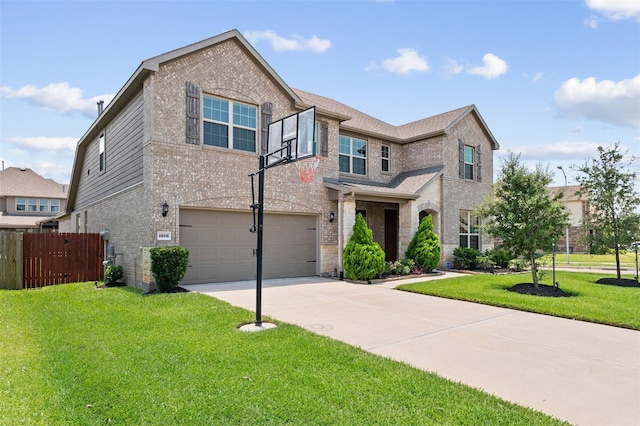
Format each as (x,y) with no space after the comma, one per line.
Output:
(469,231)
(229,124)
(353,155)
(385,158)
(468,161)
(42,205)
(102,147)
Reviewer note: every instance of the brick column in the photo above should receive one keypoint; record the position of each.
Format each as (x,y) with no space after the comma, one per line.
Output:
(408,225)
(347,218)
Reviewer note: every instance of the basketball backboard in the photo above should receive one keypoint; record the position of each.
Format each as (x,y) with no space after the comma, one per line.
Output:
(292,138)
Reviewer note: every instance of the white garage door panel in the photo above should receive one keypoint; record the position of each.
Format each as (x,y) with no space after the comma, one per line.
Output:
(221,248)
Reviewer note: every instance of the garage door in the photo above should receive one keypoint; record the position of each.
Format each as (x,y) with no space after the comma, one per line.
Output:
(221,248)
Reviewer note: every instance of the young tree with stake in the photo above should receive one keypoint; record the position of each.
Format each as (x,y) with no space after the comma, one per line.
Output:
(522,212)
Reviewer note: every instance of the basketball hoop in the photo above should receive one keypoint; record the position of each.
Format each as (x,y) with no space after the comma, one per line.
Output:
(307,168)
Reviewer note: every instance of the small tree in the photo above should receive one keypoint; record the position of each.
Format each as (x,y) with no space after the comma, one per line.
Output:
(168,265)
(522,212)
(613,199)
(424,248)
(363,259)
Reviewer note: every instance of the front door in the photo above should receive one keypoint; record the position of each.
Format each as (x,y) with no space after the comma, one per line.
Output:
(391,235)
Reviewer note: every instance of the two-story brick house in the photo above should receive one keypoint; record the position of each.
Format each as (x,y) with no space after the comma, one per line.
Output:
(168,162)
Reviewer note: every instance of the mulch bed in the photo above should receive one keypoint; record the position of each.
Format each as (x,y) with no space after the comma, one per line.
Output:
(542,290)
(623,282)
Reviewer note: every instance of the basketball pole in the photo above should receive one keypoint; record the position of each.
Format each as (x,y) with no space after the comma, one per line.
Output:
(259,248)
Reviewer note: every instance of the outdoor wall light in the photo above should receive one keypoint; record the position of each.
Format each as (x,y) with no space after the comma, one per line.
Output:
(165,209)
(332,217)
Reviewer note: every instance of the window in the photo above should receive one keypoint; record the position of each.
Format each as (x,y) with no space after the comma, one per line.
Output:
(55,206)
(21,204)
(102,152)
(32,206)
(469,232)
(385,158)
(222,125)
(44,205)
(353,155)
(468,161)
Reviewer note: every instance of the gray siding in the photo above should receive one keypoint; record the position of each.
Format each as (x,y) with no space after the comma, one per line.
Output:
(124,136)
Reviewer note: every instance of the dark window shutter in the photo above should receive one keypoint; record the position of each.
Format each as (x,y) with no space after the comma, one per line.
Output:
(460,159)
(324,139)
(193,114)
(266,112)
(478,164)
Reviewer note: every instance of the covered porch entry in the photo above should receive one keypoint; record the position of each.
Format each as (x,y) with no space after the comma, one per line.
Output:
(392,210)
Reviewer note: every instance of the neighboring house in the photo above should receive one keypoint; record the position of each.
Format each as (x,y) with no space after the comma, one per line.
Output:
(577,206)
(186,130)
(29,202)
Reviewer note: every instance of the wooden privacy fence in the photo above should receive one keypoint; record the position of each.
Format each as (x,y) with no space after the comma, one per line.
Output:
(10,260)
(50,259)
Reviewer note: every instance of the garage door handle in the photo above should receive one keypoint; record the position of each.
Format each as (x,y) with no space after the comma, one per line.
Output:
(255,252)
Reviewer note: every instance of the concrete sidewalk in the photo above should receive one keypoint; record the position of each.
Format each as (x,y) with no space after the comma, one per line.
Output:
(587,374)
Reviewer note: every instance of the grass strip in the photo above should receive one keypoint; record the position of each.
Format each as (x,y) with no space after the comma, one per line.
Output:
(589,301)
(76,355)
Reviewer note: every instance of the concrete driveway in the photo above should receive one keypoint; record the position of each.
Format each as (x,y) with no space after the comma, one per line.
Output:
(587,374)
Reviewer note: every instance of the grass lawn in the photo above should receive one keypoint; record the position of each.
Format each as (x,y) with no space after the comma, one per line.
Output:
(72,354)
(605,304)
(627,260)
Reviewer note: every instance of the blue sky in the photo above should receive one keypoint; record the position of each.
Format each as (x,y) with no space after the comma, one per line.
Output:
(552,79)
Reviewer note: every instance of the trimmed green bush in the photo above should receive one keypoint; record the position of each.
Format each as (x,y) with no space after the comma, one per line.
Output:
(500,256)
(466,257)
(424,248)
(363,259)
(113,273)
(168,265)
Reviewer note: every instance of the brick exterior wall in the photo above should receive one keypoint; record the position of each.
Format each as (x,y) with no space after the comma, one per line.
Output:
(198,176)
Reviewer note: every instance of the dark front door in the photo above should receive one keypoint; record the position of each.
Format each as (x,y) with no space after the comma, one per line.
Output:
(391,235)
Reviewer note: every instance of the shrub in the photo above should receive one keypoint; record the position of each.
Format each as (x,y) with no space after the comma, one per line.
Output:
(500,256)
(168,265)
(363,259)
(424,248)
(401,267)
(466,257)
(113,273)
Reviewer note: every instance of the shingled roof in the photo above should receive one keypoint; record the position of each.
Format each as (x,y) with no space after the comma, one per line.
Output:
(16,182)
(416,130)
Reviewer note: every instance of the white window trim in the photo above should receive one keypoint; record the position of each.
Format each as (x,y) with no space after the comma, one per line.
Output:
(472,163)
(351,156)
(230,124)
(469,234)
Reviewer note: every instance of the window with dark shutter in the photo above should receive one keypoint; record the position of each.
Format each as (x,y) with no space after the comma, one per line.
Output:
(478,164)
(324,139)
(266,113)
(193,114)
(460,159)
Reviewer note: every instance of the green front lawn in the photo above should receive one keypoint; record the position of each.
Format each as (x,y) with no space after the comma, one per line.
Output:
(627,260)
(605,304)
(72,354)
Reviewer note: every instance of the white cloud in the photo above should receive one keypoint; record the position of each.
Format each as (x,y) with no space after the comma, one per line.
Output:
(409,60)
(592,22)
(45,144)
(616,9)
(492,67)
(58,97)
(451,66)
(612,102)
(564,150)
(281,44)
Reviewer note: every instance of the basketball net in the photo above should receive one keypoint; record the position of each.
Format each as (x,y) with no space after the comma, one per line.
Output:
(307,168)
